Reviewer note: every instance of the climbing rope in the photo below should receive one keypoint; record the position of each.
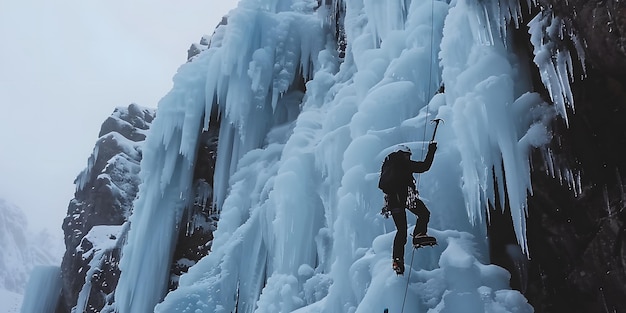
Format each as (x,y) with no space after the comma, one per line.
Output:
(430,77)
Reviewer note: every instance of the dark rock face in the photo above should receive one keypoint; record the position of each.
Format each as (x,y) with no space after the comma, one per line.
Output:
(602,24)
(576,220)
(104,194)
(576,231)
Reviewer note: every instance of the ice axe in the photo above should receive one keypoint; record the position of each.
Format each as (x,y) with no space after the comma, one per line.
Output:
(436,121)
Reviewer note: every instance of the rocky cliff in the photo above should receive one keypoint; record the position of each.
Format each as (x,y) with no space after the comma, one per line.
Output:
(97,220)
(102,203)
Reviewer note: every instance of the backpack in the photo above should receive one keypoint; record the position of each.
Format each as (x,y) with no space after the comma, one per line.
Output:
(389,173)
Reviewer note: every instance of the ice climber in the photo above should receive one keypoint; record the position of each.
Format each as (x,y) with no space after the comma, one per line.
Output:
(398,185)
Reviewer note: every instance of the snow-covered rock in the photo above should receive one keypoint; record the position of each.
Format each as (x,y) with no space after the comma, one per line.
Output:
(103,200)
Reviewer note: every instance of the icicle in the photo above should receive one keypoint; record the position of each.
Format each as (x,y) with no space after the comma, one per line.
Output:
(85,175)
(554,61)
(607,201)
(580,52)
(503,12)
(274,51)
(386,16)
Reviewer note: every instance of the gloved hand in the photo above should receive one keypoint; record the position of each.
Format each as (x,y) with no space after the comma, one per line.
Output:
(432,146)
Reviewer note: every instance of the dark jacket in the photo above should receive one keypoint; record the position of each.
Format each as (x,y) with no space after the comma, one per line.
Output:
(404,168)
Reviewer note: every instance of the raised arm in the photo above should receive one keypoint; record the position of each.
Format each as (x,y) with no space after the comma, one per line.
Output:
(423,166)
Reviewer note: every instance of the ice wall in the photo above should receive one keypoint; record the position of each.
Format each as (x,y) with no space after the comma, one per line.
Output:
(300,228)
(250,79)
(296,173)
(166,173)
(496,120)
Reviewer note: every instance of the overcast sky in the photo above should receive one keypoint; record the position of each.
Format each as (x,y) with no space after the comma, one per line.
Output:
(64,66)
